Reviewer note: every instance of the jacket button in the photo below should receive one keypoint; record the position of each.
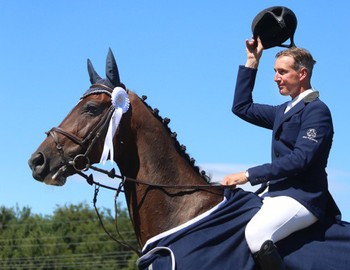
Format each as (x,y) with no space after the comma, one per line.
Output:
(277,154)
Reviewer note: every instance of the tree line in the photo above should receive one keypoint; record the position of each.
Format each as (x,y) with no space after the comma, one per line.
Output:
(71,238)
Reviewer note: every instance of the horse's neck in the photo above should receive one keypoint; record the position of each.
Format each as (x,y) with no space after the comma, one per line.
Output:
(152,209)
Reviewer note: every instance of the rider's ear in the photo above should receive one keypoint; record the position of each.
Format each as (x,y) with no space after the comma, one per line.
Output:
(303,73)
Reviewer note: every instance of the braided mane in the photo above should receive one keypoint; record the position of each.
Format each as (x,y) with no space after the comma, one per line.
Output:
(180,148)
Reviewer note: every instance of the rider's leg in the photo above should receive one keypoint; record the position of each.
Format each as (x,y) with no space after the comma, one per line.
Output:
(278,217)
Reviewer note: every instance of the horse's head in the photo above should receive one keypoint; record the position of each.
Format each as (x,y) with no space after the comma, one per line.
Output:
(76,142)
(146,151)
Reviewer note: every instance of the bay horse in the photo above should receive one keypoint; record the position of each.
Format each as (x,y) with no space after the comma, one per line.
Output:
(165,189)
(145,150)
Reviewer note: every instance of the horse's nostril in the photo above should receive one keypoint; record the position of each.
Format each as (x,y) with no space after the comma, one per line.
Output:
(38,160)
(38,165)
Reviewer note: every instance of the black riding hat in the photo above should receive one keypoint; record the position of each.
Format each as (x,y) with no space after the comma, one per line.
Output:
(274,26)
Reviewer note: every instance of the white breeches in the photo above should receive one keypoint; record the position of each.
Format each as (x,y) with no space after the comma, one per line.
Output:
(278,217)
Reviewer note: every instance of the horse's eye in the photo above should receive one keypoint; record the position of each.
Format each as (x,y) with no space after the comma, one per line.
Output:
(92,109)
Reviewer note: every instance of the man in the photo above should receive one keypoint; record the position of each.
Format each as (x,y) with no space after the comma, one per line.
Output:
(297,190)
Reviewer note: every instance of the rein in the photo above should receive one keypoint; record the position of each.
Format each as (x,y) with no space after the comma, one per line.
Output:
(81,163)
(112,174)
(90,180)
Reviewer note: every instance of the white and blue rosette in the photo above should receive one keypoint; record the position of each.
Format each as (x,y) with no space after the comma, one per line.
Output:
(121,103)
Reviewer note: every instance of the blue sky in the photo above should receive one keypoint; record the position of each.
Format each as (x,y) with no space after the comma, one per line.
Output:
(183,55)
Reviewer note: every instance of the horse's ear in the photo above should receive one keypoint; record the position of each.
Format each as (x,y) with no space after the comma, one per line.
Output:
(94,77)
(112,72)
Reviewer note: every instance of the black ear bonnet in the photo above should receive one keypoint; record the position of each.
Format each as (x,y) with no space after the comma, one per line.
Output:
(112,80)
(274,26)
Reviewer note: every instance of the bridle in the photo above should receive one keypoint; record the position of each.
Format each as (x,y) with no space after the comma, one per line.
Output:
(81,162)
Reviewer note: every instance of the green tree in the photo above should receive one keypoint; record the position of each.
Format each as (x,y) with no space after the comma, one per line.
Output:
(72,238)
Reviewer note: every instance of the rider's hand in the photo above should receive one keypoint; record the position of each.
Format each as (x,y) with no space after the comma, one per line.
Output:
(235,179)
(254,49)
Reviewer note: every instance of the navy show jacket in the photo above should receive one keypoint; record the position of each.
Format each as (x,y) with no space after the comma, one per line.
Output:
(301,142)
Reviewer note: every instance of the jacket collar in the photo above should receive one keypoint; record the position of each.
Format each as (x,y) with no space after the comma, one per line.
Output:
(311,97)
(298,107)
